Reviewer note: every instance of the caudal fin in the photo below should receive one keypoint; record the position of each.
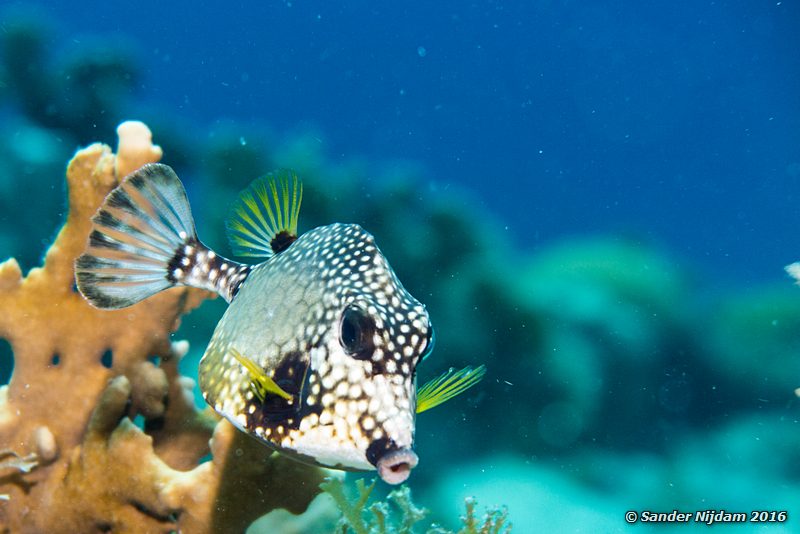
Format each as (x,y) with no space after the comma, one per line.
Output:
(137,235)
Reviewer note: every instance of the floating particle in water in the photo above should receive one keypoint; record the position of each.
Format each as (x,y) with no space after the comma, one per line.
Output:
(421,51)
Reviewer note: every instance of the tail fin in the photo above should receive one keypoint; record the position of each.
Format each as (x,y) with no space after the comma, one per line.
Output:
(138,234)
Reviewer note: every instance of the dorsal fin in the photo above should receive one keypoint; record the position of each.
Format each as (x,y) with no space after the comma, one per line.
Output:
(263,220)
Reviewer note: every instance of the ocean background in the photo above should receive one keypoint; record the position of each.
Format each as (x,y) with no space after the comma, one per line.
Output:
(595,199)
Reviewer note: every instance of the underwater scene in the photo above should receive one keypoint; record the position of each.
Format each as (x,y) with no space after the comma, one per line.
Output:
(367,267)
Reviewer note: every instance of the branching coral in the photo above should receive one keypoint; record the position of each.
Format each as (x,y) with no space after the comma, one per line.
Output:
(377,518)
(72,460)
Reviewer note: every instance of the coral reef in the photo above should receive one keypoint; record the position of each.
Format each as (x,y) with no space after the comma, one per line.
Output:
(755,334)
(618,376)
(538,498)
(377,518)
(82,93)
(74,459)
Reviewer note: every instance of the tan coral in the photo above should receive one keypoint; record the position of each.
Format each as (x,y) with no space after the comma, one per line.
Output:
(73,461)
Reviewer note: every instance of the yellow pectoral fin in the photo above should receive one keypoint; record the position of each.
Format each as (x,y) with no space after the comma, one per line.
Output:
(446,386)
(262,382)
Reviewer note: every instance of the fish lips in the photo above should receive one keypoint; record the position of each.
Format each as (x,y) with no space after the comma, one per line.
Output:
(394,464)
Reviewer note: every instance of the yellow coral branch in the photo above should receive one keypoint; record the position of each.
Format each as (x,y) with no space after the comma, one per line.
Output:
(69,411)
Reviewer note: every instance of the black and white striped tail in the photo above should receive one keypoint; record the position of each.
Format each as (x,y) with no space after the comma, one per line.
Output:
(144,241)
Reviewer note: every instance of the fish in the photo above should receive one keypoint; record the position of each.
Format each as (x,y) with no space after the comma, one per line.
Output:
(316,354)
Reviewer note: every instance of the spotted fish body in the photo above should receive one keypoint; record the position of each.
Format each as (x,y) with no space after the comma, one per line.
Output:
(347,406)
(317,352)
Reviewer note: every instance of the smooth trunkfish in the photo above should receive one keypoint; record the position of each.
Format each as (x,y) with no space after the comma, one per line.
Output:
(316,355)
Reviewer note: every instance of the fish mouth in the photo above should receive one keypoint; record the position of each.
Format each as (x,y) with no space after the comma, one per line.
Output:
(394,463)
(394,467)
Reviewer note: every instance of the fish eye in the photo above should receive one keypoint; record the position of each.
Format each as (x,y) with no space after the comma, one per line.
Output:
(356,332)
(431,343)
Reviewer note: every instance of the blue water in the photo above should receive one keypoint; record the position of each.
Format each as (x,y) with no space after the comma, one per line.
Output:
(673,122)
(643,158)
